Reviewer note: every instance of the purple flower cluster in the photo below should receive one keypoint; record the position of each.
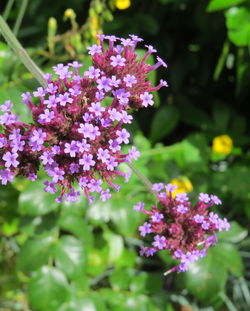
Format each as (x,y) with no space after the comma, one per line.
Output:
(186,231)
(76,135)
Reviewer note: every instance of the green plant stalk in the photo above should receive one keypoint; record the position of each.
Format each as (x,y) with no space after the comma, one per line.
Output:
(142,178)
(20,16)
(21,53)
(7,9)
(221,61)
(228,302)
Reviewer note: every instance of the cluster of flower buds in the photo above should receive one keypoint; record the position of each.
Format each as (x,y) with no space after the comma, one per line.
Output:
(77,128)
(186,231)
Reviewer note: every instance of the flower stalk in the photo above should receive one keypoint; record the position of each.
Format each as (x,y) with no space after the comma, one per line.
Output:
(146,182)
(21,52)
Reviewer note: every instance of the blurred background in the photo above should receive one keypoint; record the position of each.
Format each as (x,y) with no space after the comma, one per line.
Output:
(76,257)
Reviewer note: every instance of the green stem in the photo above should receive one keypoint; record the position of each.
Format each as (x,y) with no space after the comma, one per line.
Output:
(7,9)
(142,178)
(20,16)
(227,302)
(21,53)
(221,61)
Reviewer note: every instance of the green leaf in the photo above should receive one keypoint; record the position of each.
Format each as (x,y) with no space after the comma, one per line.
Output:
(119,210)
(97,261)
(163,122)
(48,289)
(237,21)
(83,304)
(70,256)
(82,282)
(35,201)
(237,181)
(127,259)
(8,201)
(35,253)
(94,302)
(115,244)
(79,207)
(169,307)
(240,37)
(215,157)
(125,219)
(114,299)
(141,142)
(229,257)
(190,152)
(144,145)
(146,283)
(139,303)
(119,279)
(194,153)
(99,212)
(125,300)
(236,17)
(235,235)
(98,301)
(10,227)
(167,258)
(39,225)
(77,226)
(206,278)
(216,5)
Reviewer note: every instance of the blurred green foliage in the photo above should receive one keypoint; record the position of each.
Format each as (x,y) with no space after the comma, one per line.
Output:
(68,257)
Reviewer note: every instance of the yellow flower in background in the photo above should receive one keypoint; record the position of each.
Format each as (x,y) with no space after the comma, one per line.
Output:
(122,4)
(222,144)
(95,27)
(184,185)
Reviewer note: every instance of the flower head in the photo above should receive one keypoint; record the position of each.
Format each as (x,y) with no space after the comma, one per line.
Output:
(186,231)
(75,135)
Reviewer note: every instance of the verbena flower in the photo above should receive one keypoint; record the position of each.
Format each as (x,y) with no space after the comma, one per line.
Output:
(186,231)
(75,135)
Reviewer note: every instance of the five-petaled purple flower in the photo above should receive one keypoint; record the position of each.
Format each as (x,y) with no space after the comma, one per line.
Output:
(145,229)
(117,61)
(10,159)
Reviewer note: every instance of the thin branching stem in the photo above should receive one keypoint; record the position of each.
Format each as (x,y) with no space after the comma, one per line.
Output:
(20,16)
(7,9)
(142,178)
